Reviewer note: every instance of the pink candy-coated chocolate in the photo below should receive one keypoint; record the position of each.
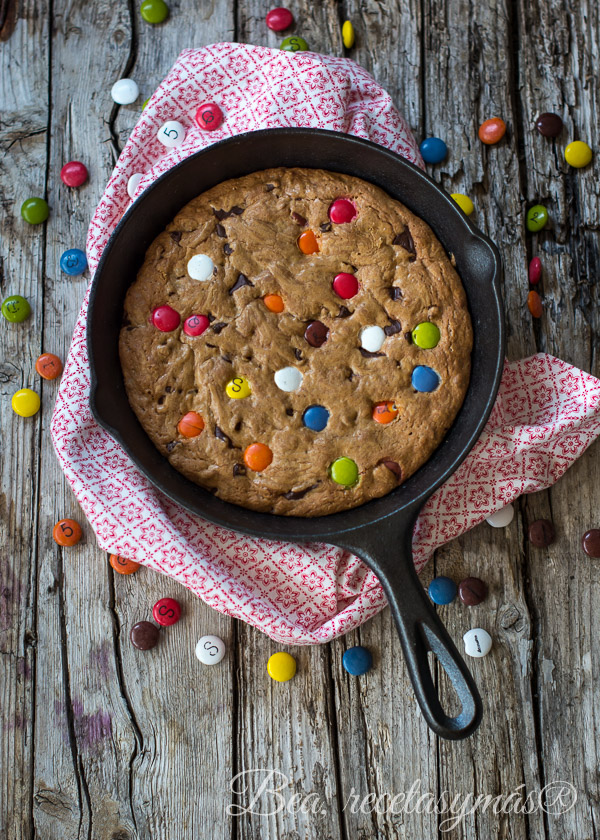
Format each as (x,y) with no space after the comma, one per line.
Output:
(195,325)
(345,285)
(209,116)
(167,611)
(279,19)
(165,318)
(535,271)
(342,211)
(74,173)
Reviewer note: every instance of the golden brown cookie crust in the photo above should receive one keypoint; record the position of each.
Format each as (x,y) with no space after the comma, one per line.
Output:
(168,374)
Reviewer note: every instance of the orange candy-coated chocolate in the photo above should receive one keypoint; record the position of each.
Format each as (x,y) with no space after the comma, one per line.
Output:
(122,565)
(385,412)
(257,457)
(307,242)
(492,131)
(49,366)
(273,303)
(190,425)
(534,302)
(67,532)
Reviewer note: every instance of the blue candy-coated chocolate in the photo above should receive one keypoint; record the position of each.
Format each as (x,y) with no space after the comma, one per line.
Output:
(73,262)
(442,590)
(315,418)
(424,379)
(357,661)
(433,150)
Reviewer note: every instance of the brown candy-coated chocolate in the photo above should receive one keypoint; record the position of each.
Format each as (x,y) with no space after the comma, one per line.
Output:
(541,533)
(549,125)
(316,334)
(591,542)
(144,635)
(472,591)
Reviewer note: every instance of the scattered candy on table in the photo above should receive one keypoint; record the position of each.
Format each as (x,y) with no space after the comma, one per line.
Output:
(274,303)
(492,131)
(464,202)
(16,309)
(165,318)
(478,642)
(578,154)
(200,267)
(345,285)
(315,418)
(281,667)
(385,412)
(433,150)
(590,542)
(279,19)
(73,262)
(154,11)
(133,183)
(316,333)
(357,660)
(74,174)
(190,425)
(472,591)
(171,134)
(48,366)
(210,650)
(307,242)
(344,471)
(549,125)
(426,335)
(144,635)
(238,388)
(535,271)
(195,325)
(293,44)
(541,533)
(124,92)
(342,211)
(442,590)
(67,532)
(348,36)
(257,457)
(424,379)
(537,218)
(288,379)
(25,402)
(166,612)
(209,116)
(501,518)
(534,304)
(35,210)
(122,565)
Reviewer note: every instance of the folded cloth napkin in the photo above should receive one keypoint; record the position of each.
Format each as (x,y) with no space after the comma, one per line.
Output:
(546,415)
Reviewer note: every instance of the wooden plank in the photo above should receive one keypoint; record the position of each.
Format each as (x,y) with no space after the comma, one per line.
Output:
(23,138)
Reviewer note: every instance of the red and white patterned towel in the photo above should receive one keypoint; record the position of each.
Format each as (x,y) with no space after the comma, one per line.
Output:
(546,415)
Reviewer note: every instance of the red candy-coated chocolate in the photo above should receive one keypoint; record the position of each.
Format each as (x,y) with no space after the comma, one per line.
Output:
(74,173)
(165,318)
(195,325)
(342,211)
(209,116)
(535,271)
(167,611)
(345,285)
(279,19)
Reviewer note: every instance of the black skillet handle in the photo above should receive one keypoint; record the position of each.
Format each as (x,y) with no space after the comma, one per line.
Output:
(386,548)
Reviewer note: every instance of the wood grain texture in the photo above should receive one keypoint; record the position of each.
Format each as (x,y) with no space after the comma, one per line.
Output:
(99,740)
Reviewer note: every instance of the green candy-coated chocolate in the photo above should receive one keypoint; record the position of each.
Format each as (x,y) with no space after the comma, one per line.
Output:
(426,335)
(537,218)
(294,44)
(16,309)
(344,471)
(154,11)
(35,210)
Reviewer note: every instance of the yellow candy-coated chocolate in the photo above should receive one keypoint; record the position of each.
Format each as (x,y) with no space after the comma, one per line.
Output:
(238,388)
(281,666)
(348,34)
(464,202)
(25,402)
(578,154)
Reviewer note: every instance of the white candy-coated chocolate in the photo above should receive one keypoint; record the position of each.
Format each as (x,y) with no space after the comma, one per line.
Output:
(133,183)
(502,517)
(200,267)
(210,650)
(478,642)
(371,339)
(171,134)
(288,379)
(125,92)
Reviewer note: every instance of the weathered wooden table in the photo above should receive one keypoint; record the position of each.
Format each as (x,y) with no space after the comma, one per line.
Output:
(97,741)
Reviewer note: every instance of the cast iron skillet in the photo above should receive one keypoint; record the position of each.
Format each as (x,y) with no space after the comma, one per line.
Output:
(380,532)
